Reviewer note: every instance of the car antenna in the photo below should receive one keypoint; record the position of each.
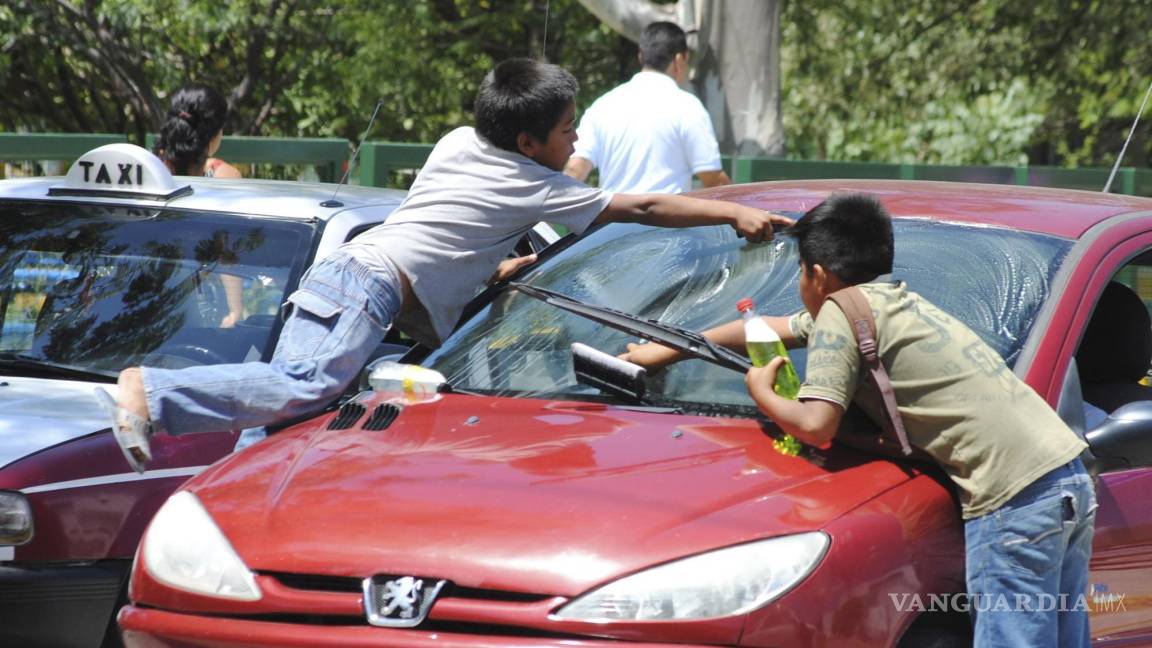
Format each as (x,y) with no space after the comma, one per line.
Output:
(1116,167)
(544,43)
(332,202)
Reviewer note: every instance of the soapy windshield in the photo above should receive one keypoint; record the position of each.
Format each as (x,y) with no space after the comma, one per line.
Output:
(993,279)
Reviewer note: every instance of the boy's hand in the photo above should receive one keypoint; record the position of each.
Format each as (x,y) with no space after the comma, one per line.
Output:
(762,380)
(651,356)
(756,224)
(509,267)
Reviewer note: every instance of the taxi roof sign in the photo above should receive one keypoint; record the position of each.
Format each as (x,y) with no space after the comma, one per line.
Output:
(120,171)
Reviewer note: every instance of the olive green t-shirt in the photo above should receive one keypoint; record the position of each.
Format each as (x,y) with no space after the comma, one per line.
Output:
(989,430)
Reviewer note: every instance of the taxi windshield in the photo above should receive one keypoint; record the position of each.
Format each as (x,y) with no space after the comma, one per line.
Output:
(102,288)
(993,279)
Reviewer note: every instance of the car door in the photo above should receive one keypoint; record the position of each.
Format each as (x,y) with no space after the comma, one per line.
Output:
(1120,590)
(1102,351)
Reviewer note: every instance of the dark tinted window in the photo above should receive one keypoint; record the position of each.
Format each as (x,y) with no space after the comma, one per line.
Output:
(104,287)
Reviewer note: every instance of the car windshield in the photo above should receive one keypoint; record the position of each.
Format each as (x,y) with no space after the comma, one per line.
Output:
(101,288)
(993,279)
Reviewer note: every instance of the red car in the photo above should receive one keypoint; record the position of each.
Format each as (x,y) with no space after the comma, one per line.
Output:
(526,505)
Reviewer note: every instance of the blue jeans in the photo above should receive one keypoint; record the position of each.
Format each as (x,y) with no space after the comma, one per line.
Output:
(1027,563)
(336,320)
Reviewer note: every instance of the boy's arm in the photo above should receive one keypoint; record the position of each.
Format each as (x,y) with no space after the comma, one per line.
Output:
(578,167)
(670,210)
(813,421)
(655,356)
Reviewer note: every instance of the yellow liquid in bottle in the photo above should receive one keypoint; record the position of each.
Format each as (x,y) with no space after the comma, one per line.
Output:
(787,382)
(763,344)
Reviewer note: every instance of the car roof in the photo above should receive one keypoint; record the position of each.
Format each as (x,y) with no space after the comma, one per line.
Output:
(1060,212)
(278,198)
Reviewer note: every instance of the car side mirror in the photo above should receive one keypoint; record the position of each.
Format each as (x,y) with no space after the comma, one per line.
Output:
(1124,439)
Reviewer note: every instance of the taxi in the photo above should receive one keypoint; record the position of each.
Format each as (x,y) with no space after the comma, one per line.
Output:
(120,264)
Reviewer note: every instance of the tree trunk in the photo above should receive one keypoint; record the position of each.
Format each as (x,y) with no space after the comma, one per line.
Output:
(738,74)
(629,17)
(737,62)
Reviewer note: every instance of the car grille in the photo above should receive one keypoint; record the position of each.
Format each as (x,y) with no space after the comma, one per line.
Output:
(350,584)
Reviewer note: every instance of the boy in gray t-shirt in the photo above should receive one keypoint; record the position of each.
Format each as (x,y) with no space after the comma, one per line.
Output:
(480,191)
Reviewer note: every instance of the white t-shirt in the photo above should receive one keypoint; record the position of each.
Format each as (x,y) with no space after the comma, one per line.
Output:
(648,136)
(470,204)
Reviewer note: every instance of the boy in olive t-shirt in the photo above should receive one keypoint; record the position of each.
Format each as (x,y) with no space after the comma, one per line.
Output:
(1027,503)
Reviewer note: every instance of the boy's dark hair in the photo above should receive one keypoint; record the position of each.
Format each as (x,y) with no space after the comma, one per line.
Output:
(197,113)
(850,235)
(660,42)
(522,95)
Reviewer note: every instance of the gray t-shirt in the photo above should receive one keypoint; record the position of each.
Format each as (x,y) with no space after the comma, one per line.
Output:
(470,204)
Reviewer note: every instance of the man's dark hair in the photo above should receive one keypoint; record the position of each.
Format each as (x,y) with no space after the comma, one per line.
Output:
(660,42)
(850,235)
(522,95)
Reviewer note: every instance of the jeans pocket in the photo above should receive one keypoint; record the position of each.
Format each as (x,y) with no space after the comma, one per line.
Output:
(1032,537)
(312,320)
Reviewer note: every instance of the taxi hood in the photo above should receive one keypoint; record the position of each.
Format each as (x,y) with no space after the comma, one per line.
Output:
(38,413)
(519,494)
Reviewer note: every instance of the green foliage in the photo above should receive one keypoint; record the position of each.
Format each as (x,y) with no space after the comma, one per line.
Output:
(308,68)
(931,81)
(960,82)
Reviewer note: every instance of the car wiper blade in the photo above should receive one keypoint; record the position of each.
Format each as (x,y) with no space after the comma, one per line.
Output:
(40,365)
(681,339)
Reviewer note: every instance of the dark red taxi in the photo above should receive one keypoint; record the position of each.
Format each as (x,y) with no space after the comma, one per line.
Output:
(522,505)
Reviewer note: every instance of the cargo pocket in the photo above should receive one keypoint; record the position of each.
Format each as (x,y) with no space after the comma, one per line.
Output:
(311,325)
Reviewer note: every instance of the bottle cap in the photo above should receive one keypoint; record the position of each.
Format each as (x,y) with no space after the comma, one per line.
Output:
(745,304)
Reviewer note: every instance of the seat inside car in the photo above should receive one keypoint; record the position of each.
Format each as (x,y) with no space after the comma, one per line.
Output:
(1116,351)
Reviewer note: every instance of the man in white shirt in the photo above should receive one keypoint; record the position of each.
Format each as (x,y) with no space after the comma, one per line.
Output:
(648,135)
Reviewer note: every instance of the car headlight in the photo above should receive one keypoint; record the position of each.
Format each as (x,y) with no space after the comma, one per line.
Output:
(185,549)
(725,582)
(15,518)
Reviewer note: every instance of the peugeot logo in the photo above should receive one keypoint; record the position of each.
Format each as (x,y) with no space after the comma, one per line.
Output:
(399,601)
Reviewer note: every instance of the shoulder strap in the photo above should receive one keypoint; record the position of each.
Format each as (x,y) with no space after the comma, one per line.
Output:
(852,301)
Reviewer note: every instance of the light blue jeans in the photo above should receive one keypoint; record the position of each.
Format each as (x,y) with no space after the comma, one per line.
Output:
(335,321)
(1027,563)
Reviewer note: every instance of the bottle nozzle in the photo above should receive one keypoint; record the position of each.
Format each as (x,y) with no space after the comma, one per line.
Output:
(745,304)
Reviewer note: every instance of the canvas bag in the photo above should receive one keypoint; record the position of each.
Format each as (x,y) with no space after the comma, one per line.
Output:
(891,440)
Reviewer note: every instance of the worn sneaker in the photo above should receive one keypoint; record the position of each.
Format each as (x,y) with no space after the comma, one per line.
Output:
(132,432)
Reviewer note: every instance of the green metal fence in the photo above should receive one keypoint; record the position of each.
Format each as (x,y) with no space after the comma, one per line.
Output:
(328,155)
(385,163)
(18,147)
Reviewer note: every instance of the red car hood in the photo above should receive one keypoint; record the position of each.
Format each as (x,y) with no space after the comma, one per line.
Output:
(520,495)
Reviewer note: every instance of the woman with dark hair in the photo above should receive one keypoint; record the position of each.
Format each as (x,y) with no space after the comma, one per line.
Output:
(188,138)
(192,133)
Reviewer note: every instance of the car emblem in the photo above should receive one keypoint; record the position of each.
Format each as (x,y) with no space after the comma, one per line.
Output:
(399,601)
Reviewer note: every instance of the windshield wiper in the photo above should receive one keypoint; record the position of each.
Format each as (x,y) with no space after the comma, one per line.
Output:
(40,366)
(681,339)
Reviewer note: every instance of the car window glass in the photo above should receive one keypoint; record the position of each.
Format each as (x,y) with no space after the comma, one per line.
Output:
(104,288)
(995,282)
(1115,352)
